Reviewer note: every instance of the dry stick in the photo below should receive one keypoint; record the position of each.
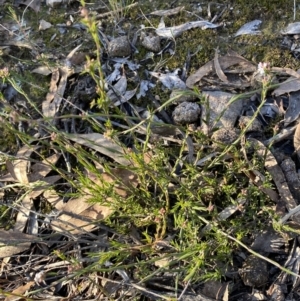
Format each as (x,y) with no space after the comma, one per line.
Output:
(142,289)
(288,167)
(282,135)
(288,215)
(185,288)
(119,10)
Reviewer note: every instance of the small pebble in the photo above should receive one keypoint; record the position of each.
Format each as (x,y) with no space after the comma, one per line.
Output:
(151,43)
(119,47)
(254,272)
(224,136)
(255,126)
(186,113)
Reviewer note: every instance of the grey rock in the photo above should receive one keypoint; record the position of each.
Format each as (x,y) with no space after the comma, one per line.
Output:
(255,126)
(186,113)
(119,47)
(151,43)
(217,104)
(225,136)
(254,272)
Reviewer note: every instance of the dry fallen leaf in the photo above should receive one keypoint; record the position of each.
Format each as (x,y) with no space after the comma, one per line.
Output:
(124,98)
(54,3)
(23,213)
(19,168)
(214,289)
(226,213)
(292,28)
(41,188)
(103,145)
(41,169)
(51,105)
(18,293)
(224,63)
(34,4)
(54,199)
(169,80)
(43,70)
(268,240)
(79,216)
(292,84)
(14,242)
(176,31)
(249,28)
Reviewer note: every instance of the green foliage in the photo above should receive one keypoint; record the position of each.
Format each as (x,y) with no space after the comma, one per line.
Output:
(175,206)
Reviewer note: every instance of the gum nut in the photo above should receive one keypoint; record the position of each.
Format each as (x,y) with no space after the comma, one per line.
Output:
(151,43)
(225,136)
(119,47)
(186,112)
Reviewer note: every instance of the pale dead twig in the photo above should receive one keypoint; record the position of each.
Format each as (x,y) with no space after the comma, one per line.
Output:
(184,290)
(289,214)
(119,10)
(282,135)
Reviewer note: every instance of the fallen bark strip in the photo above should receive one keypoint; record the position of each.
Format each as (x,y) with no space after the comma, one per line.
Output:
(289,169)
(278,177)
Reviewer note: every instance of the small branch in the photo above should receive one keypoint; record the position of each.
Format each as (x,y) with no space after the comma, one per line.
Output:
(119,10)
